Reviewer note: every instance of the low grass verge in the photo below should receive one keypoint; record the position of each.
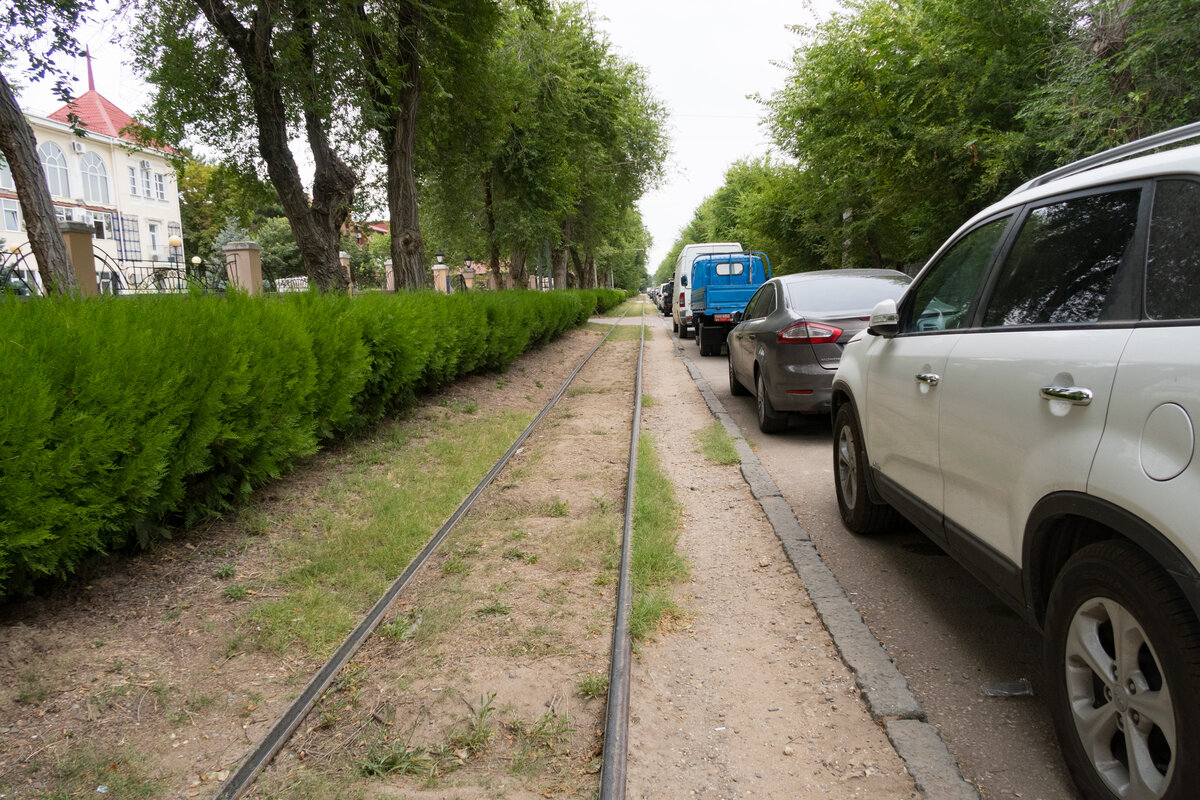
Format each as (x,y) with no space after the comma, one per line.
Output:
(368,522)
(715,443)
(656,565)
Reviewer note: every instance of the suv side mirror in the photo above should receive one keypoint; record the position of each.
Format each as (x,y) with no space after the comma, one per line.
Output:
(885,319)
(683,281)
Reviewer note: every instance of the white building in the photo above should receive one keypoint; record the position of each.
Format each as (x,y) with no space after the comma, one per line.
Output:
(127,191)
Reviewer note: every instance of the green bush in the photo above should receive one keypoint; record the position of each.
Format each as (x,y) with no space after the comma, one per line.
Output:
(121,416)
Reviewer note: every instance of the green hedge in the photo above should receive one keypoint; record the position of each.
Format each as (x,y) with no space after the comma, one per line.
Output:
(119,416)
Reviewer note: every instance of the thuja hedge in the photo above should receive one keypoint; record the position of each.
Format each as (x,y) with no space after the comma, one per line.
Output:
(121,416)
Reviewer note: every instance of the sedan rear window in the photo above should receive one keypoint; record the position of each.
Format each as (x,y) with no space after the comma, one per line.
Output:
(851,293)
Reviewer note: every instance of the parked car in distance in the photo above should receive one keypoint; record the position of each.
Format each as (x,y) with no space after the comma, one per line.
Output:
(722,283)
(681,303)
(664,298)
(1031,404)
(788,341)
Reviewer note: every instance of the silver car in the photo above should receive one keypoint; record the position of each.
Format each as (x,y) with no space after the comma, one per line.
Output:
(788,342)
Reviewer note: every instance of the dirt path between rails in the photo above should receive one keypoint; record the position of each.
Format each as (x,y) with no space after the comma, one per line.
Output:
(746,698)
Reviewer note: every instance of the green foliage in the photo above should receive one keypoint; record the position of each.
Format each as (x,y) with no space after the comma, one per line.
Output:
(122,416)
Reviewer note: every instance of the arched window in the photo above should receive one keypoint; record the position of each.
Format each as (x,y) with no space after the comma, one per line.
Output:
(95,178)
(54,164)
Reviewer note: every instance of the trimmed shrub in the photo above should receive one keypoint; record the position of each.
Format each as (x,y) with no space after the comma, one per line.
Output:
(120,416)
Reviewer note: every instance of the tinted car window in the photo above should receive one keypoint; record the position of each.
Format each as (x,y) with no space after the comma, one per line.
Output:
(1173,266)
(762,303)
(844,294)
(942,299)
(1064,260)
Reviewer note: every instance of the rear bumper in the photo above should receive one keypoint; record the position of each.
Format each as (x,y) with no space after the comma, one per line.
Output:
(803,389)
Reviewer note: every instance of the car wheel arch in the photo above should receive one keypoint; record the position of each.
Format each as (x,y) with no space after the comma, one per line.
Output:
(842,395)
(1063,523)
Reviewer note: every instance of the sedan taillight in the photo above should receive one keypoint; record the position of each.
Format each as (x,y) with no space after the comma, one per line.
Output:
(808,333)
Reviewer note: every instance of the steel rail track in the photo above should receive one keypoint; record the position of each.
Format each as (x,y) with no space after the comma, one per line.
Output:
(616,726)
(279,734)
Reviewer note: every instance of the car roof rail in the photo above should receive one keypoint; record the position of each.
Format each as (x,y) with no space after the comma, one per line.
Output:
(1173,136)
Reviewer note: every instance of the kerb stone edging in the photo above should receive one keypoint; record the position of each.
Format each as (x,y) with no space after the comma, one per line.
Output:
(887,694)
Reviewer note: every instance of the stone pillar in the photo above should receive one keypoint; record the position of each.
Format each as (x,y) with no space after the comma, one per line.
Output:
(344,260)
(389,275)
(469,278)
(78,238)
(243,262)
(441,278)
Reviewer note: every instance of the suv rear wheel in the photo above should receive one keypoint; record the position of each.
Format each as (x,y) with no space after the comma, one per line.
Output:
(859,514)
(1123,661)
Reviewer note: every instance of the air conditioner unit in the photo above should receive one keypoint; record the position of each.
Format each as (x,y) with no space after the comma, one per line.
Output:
(77,147)
(145,164)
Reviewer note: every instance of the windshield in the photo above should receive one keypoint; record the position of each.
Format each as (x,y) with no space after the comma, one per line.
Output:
(849,293)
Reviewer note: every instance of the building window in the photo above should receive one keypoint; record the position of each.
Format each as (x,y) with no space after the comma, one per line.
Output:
(63,214)
(146,183)
(133,181)
(160,186)
(129,245)
(95,178)
(99,220)
(6,178)
(54,164)
(154,229)
(10,211)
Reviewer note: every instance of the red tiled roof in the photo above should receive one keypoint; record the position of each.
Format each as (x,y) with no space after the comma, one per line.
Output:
(99,114)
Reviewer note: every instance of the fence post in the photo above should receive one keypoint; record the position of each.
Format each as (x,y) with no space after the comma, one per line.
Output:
(468,278)
(344,260)
(243,263)
(389,275)
(441,278)
(78,238)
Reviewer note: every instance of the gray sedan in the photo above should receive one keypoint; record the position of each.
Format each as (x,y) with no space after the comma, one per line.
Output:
(789,340)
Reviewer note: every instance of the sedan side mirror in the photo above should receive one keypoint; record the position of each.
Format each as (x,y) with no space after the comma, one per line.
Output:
(885,319)
(737,317)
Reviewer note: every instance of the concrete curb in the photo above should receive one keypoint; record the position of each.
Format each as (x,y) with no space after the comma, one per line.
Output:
(887,694)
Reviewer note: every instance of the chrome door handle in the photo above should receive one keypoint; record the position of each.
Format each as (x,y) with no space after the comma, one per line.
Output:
(1075,395)
(931,378)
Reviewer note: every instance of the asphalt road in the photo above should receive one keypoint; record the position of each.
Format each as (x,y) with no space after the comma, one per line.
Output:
(947,634)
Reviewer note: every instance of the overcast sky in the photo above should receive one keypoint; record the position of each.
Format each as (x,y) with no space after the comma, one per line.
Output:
(702,58)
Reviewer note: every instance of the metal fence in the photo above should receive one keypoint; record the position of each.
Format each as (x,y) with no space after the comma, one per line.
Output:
(19,276)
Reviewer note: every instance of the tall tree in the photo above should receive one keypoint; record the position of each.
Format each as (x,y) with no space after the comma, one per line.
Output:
(37,32)
(254,71)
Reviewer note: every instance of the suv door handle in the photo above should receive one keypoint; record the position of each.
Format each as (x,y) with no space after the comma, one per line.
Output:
(931,378)
(1075,395)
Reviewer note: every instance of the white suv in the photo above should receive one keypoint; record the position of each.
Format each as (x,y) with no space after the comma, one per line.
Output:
(1031,404)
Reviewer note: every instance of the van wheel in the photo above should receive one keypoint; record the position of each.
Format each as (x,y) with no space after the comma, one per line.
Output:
(859,513)
(769,420)
(674,326)
(1123,660)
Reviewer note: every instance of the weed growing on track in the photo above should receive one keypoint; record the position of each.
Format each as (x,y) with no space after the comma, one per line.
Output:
(717,445)
(593,685)
(84,769)
(656,565)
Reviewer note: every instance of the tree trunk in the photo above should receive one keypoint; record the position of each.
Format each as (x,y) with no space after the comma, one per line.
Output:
(408,250)
(581,280)
(493,243)
(558,261)
(20,151)
(317,226)
(516,268)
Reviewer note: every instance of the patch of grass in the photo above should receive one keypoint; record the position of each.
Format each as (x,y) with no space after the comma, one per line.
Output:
(593,685)
(656,564)
(536,743)
(647,401)
(397,758)
(403,628)
(717,445)
(234,592)
(225,572)
(494,608)
(516,536)
(556,508)
(455,565)
(81,770)
(370,521)
(31,689)
(476,732)
(575,391)
(516,554)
